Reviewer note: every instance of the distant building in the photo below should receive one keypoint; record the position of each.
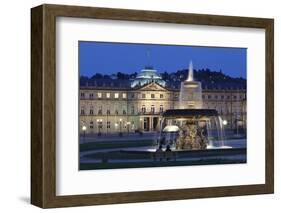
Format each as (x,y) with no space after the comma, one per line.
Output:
(111,106)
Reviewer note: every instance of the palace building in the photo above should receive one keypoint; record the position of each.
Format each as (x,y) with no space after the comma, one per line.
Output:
(120,106)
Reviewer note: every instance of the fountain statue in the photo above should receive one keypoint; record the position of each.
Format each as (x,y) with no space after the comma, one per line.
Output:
(190,126)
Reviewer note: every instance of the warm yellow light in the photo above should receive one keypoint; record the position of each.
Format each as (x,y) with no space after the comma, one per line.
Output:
(84,128)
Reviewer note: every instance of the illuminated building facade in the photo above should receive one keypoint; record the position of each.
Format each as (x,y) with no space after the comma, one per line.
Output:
(120,106)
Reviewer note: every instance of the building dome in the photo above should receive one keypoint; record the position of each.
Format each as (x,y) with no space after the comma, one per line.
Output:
(146,76)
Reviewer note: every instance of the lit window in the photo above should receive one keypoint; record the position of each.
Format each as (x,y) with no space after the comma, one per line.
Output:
(108,95)
(124,95)
(116,95)
(99,95)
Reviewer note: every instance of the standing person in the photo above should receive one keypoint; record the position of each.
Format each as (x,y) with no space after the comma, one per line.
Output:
(159,153)
(168,152)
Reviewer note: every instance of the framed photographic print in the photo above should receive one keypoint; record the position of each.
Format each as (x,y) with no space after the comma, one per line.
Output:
(137,106)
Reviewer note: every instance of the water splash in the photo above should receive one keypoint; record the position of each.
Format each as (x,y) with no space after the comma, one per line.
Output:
(190,72)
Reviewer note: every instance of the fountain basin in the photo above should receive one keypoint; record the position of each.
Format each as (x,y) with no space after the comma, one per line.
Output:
(191,129)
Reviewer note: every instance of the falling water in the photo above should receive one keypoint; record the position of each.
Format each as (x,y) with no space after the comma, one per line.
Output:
(222,133)
(216,132)
(210,135)
(219,128)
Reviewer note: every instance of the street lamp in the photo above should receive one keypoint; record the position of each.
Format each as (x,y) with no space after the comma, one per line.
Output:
(224,122)
(238,125)
(116,126)
(141,124)
(120,127)
(84,128)
(128,126)
(99,121)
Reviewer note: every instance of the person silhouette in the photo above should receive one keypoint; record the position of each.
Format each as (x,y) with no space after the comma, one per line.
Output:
(158,153)
(168,152)
(168,148)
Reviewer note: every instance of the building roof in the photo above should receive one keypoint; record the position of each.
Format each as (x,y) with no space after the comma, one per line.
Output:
(105,83)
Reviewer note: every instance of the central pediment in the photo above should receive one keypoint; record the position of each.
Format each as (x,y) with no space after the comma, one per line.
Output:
(152,87)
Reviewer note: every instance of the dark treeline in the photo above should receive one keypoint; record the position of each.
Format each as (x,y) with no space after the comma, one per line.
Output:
(203,75)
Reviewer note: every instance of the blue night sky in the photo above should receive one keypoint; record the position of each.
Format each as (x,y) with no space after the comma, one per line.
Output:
(109,58)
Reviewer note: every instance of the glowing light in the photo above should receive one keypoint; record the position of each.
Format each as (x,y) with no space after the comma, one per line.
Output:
(224,122)
(171,128)
(84,128)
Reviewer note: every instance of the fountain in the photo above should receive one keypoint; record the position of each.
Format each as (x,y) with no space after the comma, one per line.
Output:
(190,127)
(190,92)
